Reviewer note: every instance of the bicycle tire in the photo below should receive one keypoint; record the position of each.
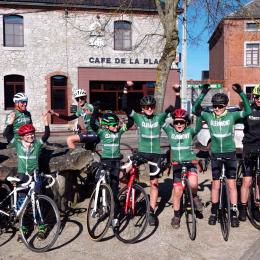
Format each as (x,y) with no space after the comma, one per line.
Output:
(224,212)
(102,218)
(132,223)
(189,210)
(29,230)
(6,206)
(252,207)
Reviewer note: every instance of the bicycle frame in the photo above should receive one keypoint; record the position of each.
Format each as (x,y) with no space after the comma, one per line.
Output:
(222,177)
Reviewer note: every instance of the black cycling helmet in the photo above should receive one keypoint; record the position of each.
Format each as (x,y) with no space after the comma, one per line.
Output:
(147,100)
(220,99)
(109,119)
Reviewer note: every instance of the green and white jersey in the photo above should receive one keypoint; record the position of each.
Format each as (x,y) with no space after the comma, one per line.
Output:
(28,159)
(222,128)
(110,142)
(85,112)
(181,143)
(20,119)
(149,131)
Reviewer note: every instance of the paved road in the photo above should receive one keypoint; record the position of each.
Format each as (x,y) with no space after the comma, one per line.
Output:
(161,242)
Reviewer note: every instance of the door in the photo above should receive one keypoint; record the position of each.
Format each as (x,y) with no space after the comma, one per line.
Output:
(59,98)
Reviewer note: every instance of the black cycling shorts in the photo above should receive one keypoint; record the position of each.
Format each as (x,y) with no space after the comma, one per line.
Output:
(89,137)
(177,169)
(152,157)
(231,165)
(249,161)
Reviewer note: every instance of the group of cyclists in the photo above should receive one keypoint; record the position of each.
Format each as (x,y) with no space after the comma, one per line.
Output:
(107,129)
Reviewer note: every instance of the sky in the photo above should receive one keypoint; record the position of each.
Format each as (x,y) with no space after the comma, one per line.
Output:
(197,50)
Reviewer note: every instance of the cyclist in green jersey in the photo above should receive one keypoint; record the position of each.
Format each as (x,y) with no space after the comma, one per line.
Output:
(180,136)
(109,132)
(22,115)
(149,131)
(221,127)
(85,111)
(28,150)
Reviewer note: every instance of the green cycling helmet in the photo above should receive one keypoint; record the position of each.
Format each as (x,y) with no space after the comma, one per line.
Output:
(256,90)
(109,119)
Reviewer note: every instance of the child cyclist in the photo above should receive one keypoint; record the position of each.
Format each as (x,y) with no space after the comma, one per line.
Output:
(85,110)
(109,132)
(28,150)
(180,136)
(221,127)
(149,130)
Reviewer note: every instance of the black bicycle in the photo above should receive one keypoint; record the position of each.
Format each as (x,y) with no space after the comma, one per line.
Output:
(224,201)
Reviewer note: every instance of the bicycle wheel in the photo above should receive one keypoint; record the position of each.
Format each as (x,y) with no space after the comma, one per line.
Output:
(39,233)
(253,207)
(224,211)
(5,206)
(188,206)
(99,219)
(133,222)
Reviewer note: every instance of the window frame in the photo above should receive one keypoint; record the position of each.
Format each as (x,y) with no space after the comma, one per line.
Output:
(249,95)
(14,84)
(14,37)
(252,30)
(245,54)
(121,46)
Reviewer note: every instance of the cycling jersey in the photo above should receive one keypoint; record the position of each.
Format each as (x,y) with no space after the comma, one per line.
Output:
(181,142)
(27,158)
(221,127)
(252,128)
(21,118)
(85,113)
(149,131)
(110,142)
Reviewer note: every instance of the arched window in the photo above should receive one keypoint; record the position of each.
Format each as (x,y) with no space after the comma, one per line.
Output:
(122,35)
(13,31)
(59,101)
(12,85)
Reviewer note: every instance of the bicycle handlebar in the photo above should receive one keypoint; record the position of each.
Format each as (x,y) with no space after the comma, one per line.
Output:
(52,180)
(151,163)
(26,184)
(185,162)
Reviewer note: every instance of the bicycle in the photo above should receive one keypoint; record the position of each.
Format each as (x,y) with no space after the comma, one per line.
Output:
(224,210)
(36,212)
(254,192)
(187,199)
(133,203)
(101,204)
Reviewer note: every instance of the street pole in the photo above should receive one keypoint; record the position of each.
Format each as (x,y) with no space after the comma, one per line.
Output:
(184,56)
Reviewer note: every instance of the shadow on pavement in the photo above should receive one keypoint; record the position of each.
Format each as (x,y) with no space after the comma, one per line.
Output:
(9,238)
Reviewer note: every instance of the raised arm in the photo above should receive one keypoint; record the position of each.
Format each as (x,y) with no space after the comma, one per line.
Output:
(46,134)
(125,107)
(94,118)
(9,133)
(198,101)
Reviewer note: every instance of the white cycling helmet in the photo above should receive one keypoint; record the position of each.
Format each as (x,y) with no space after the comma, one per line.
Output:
(19,97)
(79,93)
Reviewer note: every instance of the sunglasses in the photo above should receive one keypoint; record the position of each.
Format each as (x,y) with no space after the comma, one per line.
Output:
(29,134)
(23,102)
(256,97)
(179,122)
(113,125)
(148,106)
(218,106)
(80,98)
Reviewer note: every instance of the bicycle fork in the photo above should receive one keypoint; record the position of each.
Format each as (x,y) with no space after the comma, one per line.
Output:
(104,200)
(130,197)
(257,182)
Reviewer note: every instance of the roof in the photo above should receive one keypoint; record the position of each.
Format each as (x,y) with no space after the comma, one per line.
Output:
(142,5)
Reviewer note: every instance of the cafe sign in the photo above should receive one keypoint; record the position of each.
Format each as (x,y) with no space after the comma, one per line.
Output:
(121,60)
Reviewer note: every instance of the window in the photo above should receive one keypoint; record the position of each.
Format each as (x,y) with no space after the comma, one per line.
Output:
(13,31)
(252,26)
(252,54)
(12,85)
(122,36)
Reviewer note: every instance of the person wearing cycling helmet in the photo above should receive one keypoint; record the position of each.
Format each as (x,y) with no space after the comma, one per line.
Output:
(28,150)
(180,136)
(221,127)
(85,110)
(20,113)
(109,132)
(149,127)
(251,142)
